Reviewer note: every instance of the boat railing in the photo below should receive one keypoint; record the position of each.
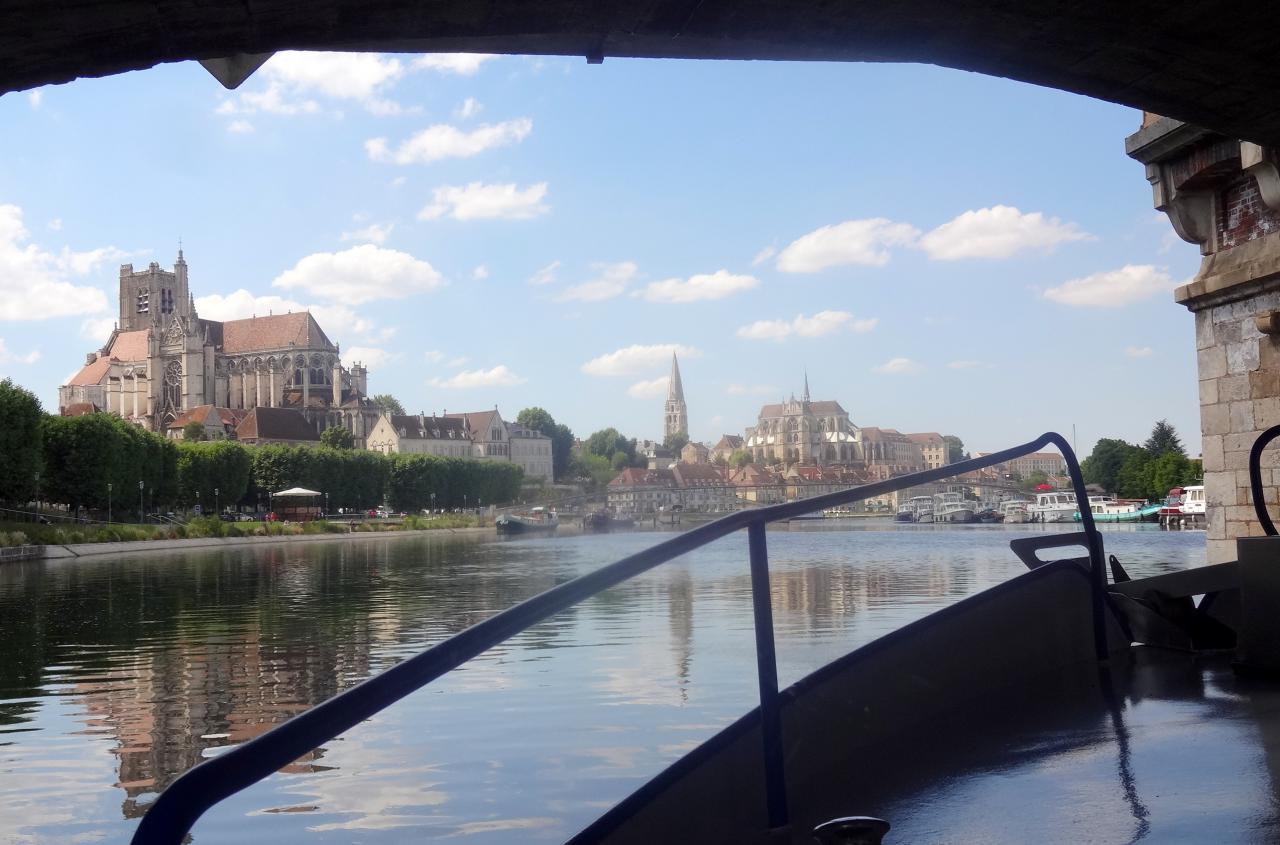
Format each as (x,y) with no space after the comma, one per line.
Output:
(176,810)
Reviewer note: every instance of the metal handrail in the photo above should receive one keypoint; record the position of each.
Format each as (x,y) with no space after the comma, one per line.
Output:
(187,798)
(1255,479)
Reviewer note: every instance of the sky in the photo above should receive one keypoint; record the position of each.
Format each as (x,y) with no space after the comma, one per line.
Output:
(937,250)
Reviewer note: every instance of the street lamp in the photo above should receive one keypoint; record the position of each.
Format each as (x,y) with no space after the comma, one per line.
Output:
(108,502)
(37,497)
(142,508)
(197,501)
(217,511)
(433,502)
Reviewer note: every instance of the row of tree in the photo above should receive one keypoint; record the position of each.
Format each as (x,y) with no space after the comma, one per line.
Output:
(1148,471)
(100,461)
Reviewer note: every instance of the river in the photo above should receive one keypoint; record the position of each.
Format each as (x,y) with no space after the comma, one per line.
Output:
(118,674)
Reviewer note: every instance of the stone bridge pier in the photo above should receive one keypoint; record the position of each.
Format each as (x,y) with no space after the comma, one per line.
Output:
(1223,194)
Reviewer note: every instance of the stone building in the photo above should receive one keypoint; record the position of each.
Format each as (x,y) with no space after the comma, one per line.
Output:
(803,431)
(447,437)
(480,435)
(163,359)
(695,453)
(1223,194)
(676,419)
(933,449)
(887,452)
(725,447)
(282,426)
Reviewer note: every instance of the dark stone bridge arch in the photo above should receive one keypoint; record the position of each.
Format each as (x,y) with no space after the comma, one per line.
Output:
(1208,63)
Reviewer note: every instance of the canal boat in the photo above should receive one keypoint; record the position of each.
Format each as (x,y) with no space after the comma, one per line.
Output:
(1056,506)
(536,521)
(906,513)
(923,507)
(952,508)
(1053,682)
(1193,503)
(1015,511)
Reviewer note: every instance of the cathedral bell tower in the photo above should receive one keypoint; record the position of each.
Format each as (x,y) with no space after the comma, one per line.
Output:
(153,295)
(677,414)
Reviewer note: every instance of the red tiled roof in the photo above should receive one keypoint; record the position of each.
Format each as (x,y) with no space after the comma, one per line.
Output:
(79,409)
(694,475)
(200,413)
(730,442)
(92,373)
(275,424)
(275,331)
(129,346)
(639,476)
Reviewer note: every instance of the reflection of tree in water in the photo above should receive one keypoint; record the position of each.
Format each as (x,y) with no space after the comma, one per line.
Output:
(175,656)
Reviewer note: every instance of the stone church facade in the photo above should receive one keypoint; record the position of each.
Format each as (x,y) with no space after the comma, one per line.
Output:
(163,359)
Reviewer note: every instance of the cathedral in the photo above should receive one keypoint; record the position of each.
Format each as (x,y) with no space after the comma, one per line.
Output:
(804,432)
(162,359)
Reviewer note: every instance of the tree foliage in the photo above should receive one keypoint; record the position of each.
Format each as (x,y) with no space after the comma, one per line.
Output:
(1105,462)
(675,441)
(388,403)
(202,468)
(955,449)
(1164,439)
(455,482)
(607,442)
(21,431)
(561,436)
(194,431)
(82,455)
(337,438)
(739,458)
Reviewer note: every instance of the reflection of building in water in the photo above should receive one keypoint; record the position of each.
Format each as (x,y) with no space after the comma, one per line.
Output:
(680,617)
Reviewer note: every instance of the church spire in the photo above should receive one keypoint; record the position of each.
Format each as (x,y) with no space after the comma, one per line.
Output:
(806,387)
(675,390)
(677,413)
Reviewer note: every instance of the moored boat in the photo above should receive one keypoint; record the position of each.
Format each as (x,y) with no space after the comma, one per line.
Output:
(923,506)
(951,507)
(536,521)
(1015,511)
(1057,506)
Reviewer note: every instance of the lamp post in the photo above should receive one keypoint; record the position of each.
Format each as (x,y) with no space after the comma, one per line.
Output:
(326,505)
(217,511)
(433,502)
(142,508)
(464,502)
(108,502)
(197,499)
(37,497)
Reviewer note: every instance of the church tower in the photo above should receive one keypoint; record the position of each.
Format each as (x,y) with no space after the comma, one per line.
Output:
(154,295)
(677,414)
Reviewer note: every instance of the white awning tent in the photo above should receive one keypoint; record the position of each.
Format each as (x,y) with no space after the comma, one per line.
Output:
(296,491)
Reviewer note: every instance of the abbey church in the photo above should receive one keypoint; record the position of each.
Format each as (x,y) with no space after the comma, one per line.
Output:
(163,360)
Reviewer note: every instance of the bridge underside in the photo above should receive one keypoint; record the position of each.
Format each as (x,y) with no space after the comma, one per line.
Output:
(1191,60)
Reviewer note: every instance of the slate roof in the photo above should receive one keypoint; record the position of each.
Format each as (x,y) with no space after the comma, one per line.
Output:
(478,421)
(276,331)
(413,427)
(821,408)
(275,424)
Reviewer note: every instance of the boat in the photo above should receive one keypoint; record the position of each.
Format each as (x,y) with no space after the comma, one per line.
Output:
(906,513)
(536,521)
(952,507)
(1060,678)
(989,515)
(1056,506)
(923,507)
(1193,502)
(1136,514)
(604,521)
(1015,511)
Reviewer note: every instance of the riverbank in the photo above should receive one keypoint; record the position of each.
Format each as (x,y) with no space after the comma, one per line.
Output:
(79,550)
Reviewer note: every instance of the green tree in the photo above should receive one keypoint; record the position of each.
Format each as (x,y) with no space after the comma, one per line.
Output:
(1167,471)
(675,441)
(593,471)
(1164,439)
(1105,462)
(561,437)
(337,438)
(223,466)
(739,458)
(21,442)
(1134,480)
(608,442)
(955,449)
(194,431)
(1034,479)
(388,403)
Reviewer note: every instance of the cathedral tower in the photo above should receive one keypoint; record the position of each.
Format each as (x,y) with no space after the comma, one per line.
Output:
(677,414)
(153,295)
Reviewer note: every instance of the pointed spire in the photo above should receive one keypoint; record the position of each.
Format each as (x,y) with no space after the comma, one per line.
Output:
(181,260)
(806,387)
(675,390)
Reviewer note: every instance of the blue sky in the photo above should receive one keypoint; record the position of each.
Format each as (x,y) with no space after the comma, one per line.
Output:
(941,251)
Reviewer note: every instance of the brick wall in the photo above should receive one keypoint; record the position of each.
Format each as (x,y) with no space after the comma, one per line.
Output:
(1239,398)
(1242,215)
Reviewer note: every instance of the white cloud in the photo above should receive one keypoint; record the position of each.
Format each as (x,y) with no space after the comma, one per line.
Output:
(764,255)
(433,356)
(35,98)
(33,281)
(751,390)
(97,329)
(292,77)
(964,364)
(821,323)
(242,304)
(478,201)
(998,232)
(546,275)
(470,107)
(1114,288)
(443,141)
(371,356)
(653,389)
(863,242)
(398,182)
(240,127)
(457,362)
(611,280)
(7,357)
(703,286)
(899,366)
(463,64)
(374,233)
(480,273)
(499,376)
(636,359)
(1138,351)
(55,224)
(360,274)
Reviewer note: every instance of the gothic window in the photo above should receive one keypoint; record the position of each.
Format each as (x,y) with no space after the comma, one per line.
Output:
(166,301)
(318,376)
(144,301)
(173,385)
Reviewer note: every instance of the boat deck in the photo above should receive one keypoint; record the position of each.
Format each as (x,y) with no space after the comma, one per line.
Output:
(1177,749)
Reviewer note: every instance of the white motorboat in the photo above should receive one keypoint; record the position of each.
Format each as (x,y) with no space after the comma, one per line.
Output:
(1058,506)
(1193,501)
(923,506)
(952,507)
(1015,511)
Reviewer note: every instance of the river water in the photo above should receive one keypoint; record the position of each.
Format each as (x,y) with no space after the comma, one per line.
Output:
(118,674)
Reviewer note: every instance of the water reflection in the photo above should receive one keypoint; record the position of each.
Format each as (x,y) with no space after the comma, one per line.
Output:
(118,675)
